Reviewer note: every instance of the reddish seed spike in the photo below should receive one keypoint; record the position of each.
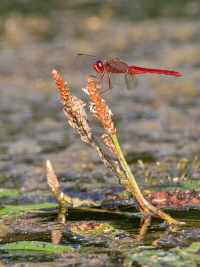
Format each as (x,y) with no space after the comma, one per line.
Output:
(139,70)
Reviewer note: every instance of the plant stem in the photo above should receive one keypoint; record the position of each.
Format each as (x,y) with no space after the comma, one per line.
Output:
(145,207)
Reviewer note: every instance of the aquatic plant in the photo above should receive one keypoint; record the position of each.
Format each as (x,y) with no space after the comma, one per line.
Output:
(74,109)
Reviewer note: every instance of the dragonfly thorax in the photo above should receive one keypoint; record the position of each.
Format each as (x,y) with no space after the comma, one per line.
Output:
(98,66)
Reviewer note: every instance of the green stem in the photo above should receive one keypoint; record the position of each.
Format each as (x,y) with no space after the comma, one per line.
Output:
(145,206)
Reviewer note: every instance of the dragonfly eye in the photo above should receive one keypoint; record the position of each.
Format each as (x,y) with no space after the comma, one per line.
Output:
(98,66)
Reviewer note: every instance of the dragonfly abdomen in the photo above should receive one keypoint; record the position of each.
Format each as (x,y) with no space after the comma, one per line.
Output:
(139,70)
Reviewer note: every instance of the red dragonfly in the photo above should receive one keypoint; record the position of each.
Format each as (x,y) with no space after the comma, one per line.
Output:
(115,71)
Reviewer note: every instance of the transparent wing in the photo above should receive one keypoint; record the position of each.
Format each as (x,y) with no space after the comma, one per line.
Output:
(116,78)
(121,79)
(90,60)
(118,64)
(131,81)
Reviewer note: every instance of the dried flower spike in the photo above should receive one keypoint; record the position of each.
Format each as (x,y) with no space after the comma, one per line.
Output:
(98,107)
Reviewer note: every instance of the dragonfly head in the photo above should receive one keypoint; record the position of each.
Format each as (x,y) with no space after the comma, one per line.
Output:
(98,66)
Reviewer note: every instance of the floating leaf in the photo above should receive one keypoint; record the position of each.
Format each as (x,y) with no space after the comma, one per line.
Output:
(94,229)
(20,210)
(157,257)
(36,246)
(192,252)
(4,192)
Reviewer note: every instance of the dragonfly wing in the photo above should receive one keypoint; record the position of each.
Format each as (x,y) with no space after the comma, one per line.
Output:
(116,78)
(118,64)
(131,81)
(90,60)
(113,78)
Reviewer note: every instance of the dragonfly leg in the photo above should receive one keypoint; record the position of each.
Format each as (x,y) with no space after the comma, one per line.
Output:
(110,85)
(101,77)
(105,91)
